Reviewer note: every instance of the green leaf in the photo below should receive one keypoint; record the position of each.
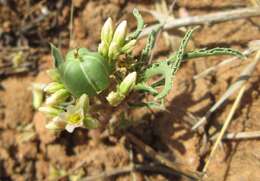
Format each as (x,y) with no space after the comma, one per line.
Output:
(145,88)
(166,72)
(140,26)
(204,52)
(214,51)
(166,69)
(150,43)
(56,55)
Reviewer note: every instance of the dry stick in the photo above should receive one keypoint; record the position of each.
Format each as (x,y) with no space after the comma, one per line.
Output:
(206,19)
(127,169)
(132,164)
(36,21)
(225,126)
(180,170)
(240,135)
(71,22)
(111,173)
(244,76)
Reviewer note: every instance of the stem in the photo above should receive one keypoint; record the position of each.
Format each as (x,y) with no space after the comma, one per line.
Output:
(207,19)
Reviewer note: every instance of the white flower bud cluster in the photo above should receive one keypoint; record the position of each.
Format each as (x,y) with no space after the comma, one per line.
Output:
(113,42)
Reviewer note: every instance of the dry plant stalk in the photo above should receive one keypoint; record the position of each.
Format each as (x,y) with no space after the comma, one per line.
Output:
(244,76)
(229,118)
(240,135)
(225,126)
(207,19)
(154,155)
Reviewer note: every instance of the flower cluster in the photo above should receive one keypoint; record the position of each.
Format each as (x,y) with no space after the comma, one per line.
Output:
(65,113)
(113,42)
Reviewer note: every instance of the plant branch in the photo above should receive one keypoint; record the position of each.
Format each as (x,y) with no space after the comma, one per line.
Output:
(242,79)
(207,19)
(225,126)
(180,170)
(240,135)
(127,169)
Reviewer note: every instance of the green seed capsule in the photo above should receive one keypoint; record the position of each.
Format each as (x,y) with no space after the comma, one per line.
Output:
(85,72)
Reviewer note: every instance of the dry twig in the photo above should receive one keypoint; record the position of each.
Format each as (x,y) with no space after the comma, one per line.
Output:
(207,19)
(244,76)
(127,169)
(180,170)
(240,135)
(225,126)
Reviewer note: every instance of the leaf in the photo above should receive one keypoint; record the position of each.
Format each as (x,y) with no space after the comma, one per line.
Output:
(56,55)
(165,71)
(150,44)
(146,88)
(140,26)
(214,51)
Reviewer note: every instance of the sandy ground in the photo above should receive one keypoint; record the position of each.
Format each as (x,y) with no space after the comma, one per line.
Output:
(29,152)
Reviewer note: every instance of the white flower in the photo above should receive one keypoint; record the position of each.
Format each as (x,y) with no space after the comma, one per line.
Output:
(74,118)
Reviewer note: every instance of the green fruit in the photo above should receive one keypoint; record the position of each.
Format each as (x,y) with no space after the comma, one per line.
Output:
(83,71)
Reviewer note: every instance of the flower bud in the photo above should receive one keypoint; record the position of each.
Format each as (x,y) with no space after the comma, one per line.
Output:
(37,94)
(128,83)
(83,103)
(58,97)
(129,46)
(53,87)
(54,74)
(115,98)
(51,111)
(120,34)
(103,49)
(113,51)
(56,124)
(107,31)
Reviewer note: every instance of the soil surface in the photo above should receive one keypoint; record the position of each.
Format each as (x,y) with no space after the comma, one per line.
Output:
(30,152)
